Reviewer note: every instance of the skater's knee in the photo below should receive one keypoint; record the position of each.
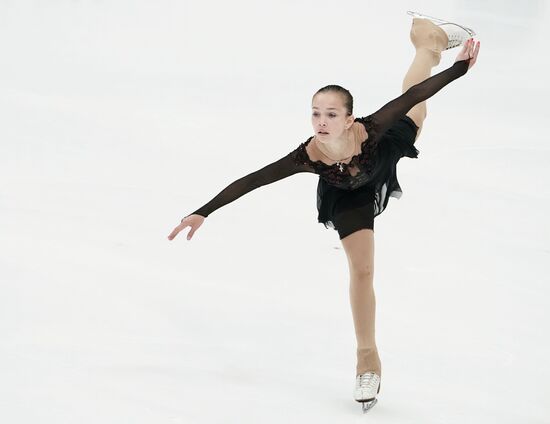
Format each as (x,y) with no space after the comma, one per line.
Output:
(361,270)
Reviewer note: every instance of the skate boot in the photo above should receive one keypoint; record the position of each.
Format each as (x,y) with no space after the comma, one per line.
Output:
(367,386)
(456,34)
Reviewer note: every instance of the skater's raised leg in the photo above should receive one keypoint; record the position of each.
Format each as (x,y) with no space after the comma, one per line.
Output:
(429,41)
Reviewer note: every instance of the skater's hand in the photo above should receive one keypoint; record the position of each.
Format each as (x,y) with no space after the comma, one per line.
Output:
(194,221)
(469,50)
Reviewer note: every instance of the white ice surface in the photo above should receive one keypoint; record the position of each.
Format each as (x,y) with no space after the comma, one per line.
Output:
(118,118)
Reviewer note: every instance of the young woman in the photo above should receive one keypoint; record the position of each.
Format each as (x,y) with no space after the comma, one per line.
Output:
(356,160)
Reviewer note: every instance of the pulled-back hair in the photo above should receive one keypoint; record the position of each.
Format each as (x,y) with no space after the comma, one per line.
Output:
(348,98)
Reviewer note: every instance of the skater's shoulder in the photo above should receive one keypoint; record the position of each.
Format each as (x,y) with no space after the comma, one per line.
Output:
(359,130)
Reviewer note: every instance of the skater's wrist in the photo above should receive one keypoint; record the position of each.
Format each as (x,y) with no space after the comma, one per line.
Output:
(462,65)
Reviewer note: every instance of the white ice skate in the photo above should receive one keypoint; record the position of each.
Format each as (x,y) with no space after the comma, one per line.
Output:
(367,386)
(457,34)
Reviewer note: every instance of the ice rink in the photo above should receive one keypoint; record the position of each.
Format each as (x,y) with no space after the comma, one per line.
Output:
(119,118)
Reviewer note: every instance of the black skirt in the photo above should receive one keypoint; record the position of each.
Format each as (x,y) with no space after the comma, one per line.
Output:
(349,210)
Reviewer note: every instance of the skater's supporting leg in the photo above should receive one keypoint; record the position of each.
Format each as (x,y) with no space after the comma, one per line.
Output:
(429,41)
(359,247)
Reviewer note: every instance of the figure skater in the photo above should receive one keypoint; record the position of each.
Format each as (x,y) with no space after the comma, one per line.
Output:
(356,160)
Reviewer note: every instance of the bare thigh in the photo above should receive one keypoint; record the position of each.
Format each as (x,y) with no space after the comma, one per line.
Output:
(359,248)
(418,118)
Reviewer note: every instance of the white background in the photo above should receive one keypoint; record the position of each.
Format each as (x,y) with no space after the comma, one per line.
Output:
(118,118)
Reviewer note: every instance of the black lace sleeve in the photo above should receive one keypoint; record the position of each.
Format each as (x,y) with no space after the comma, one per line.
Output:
(288,165)
(386,116)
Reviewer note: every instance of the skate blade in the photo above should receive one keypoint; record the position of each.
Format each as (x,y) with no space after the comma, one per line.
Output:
(368,405)
(440,21)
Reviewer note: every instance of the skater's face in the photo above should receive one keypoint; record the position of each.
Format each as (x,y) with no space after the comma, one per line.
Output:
(329,115)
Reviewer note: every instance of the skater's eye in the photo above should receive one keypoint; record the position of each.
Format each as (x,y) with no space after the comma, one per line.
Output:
(332,115)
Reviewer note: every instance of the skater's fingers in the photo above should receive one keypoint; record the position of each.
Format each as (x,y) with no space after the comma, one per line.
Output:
(473,55)
(174,233)
(176,230)
(194,221)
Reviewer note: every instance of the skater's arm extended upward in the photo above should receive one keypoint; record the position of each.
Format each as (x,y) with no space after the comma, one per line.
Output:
(397,108)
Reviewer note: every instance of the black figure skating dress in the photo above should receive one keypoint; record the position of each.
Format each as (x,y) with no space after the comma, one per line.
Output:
(348,201)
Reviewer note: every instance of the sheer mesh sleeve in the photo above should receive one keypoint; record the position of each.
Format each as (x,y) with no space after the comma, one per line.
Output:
(386,116)
(289,165)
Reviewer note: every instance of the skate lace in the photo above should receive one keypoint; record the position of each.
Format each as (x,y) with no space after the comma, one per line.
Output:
(455,33)
(368,381)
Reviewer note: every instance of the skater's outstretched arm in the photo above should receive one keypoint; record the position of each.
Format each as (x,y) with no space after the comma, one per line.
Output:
(386,116)
(275,171)
(282,168)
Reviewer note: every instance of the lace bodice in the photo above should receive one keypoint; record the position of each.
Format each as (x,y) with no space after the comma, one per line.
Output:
(362,164)
(349,175)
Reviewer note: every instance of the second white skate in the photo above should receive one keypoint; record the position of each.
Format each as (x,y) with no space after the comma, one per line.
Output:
(367,386)
(456,33)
